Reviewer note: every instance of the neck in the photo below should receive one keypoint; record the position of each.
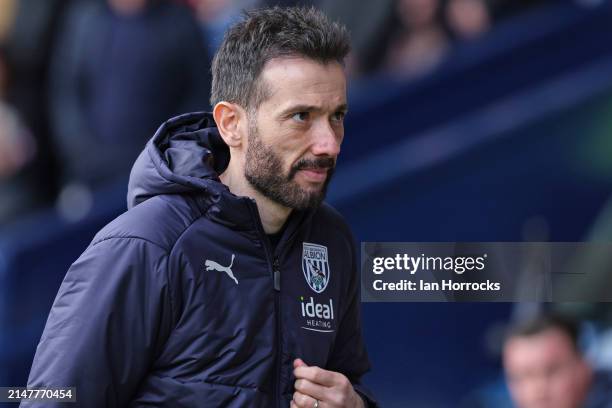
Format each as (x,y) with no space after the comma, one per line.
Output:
(272,214)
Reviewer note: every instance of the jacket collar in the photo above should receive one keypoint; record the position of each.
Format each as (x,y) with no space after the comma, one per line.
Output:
(186,156)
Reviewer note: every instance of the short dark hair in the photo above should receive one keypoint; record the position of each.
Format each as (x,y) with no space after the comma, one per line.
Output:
(269,33)
(542,323)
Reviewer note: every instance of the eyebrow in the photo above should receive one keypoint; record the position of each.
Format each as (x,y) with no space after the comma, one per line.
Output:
(311,108)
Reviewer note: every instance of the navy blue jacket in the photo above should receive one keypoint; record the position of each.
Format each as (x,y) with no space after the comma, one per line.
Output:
(182,302)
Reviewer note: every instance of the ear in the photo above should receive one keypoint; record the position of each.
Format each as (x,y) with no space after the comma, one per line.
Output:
(231,120)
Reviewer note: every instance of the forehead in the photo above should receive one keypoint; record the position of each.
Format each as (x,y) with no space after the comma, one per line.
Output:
(539,349)
(302,81)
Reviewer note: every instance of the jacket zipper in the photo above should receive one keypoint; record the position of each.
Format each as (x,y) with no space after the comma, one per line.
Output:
(277,369)
(277,314)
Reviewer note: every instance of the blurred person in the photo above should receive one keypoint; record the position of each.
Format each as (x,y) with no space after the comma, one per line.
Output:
(545,367)
(467,19)
(15,140)
(30,32)
(7,16)
(17,153)
(216,16)
(120,68)
(368,23)
(420,42)
(228,282)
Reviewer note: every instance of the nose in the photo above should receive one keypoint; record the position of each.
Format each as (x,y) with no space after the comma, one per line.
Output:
(327,140)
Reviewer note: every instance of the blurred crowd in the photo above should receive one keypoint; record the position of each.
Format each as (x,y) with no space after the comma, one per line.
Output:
(85,83)
(545,366)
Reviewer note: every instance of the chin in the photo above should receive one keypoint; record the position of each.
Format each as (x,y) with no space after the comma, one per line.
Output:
(310,187)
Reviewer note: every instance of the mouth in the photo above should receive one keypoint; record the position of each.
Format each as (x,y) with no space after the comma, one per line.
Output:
(317,175)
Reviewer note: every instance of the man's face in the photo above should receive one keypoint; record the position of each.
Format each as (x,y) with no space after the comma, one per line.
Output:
(544,371)
(295,133)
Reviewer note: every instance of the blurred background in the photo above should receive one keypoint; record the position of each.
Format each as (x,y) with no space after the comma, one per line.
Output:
(471,120)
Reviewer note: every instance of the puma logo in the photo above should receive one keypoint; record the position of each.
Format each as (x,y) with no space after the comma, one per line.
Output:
(212,265)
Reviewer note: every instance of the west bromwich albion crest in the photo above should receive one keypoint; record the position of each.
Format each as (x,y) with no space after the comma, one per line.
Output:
(315,266)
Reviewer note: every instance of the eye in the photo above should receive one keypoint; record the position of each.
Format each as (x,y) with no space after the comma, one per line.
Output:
(338,117)
(300,116)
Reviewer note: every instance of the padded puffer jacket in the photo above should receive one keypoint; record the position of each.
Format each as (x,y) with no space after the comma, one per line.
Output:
(181,301)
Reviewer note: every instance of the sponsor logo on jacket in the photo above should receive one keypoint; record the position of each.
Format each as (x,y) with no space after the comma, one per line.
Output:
(317,316)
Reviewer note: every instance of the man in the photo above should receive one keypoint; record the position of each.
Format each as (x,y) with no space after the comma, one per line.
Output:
(228,283)
(545,368)
(118,70)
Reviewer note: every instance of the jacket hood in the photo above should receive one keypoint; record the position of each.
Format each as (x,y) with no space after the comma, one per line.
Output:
(186,156)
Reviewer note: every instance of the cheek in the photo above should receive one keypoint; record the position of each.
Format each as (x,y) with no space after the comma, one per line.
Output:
(529,391)
(291,148)
(564,387)
(533,391)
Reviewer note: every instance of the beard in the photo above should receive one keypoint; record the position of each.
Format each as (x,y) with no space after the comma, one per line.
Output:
(264,171)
